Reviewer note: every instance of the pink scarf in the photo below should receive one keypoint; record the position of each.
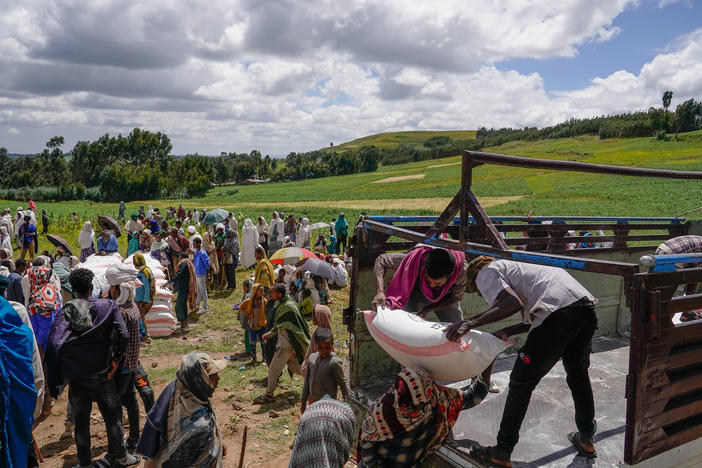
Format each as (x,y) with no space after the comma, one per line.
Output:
(412,266)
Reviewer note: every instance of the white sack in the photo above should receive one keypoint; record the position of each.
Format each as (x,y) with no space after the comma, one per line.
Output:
(415,342)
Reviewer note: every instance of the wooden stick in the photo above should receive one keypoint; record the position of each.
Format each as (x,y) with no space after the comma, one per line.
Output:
(36,451)
(243,447)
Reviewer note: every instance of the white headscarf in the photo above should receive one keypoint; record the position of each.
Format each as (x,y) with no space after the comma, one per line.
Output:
(149,211)
(86,236)
(6,242)
(124,276)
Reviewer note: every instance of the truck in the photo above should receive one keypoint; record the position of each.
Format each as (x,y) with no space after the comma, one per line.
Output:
(646,366)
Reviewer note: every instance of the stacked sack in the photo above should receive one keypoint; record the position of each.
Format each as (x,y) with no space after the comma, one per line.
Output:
(160,320)
(98,264)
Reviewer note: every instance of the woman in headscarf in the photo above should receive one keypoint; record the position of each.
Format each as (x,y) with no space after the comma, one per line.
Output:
(144,295)
(321,318)
(249,237)
(145,240)
(181,429)
(303,236)
(86,241)
(231,258)
(107,243)
(158,248)
(333,248)
(122,209)
(209,246)
(42,303)
(262,229)
(341,227)
(6,240)
(324,436)
(413,418)
(133,244)
(149,211)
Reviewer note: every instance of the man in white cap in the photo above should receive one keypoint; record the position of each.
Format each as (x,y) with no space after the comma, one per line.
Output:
(122,280)
(192,235)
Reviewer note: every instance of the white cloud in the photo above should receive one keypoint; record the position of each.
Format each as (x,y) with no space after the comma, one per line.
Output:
(292,75)
(13,131)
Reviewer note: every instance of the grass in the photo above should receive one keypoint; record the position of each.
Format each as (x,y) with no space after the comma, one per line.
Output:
(391,139)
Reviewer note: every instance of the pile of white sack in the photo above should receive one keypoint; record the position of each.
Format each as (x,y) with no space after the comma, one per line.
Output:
(98,264)
(160,320)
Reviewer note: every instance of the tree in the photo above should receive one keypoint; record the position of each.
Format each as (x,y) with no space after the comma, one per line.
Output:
(55,142)
(667,98)
(687,116)
(369,157)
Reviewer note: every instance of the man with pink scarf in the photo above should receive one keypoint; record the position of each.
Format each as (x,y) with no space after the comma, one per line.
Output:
(426,280)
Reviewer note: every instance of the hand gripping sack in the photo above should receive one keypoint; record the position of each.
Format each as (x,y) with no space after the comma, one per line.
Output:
(415,342)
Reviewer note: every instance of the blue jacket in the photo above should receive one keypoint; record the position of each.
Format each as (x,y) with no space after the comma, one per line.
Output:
(201,262)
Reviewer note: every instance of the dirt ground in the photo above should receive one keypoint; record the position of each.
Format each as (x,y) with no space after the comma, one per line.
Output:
(399,178)
(61,452)
(435,204)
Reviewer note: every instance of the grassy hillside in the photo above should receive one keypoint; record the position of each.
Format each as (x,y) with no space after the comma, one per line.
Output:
(390,139)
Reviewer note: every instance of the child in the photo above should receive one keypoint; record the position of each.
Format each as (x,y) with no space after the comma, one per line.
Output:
(246,288)
(325,371)
(306,304)
(254,308)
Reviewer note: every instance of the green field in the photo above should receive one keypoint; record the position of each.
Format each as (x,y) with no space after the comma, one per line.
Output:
(510,191)
(391,139)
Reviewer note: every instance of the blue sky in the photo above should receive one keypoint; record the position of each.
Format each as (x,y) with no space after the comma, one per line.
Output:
(645,31)
(293,75)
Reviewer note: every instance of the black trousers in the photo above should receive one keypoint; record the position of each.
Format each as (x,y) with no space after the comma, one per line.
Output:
(143,386)
(565,334)
(127,397)
(82,393)
(230,271)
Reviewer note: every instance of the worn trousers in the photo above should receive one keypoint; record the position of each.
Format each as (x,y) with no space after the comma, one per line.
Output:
(127,396)
(257,336)
(143,386)
(565,334)
(201,281)
(81,394)
(284,355)
(230,272)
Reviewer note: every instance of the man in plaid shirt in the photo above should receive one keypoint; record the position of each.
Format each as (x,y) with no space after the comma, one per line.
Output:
(684,245)
(121,279)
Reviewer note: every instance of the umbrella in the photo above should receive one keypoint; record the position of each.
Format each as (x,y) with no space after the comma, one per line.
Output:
(290,256)
(319,267)
(113,225)
(58,240)
(316,226)
(215,216)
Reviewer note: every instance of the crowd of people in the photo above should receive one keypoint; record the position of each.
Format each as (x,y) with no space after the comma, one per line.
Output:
(87,343)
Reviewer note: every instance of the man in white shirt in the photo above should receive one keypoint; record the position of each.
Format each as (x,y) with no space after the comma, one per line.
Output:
(559,314)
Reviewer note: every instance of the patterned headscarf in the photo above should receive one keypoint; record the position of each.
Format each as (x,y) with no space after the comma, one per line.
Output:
(411,404)
(140,264)
(473,269)
(42,294)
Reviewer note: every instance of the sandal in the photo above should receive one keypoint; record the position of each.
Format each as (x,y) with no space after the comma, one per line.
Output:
(482,454)
(574,439)
(263,399)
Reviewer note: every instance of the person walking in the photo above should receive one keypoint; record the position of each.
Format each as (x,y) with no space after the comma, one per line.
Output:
(44,223)
(341,227)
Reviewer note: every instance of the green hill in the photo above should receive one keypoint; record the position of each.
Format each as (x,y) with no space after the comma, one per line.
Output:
(390,139)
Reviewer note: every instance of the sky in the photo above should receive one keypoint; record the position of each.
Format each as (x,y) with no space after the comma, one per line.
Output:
(297,75)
